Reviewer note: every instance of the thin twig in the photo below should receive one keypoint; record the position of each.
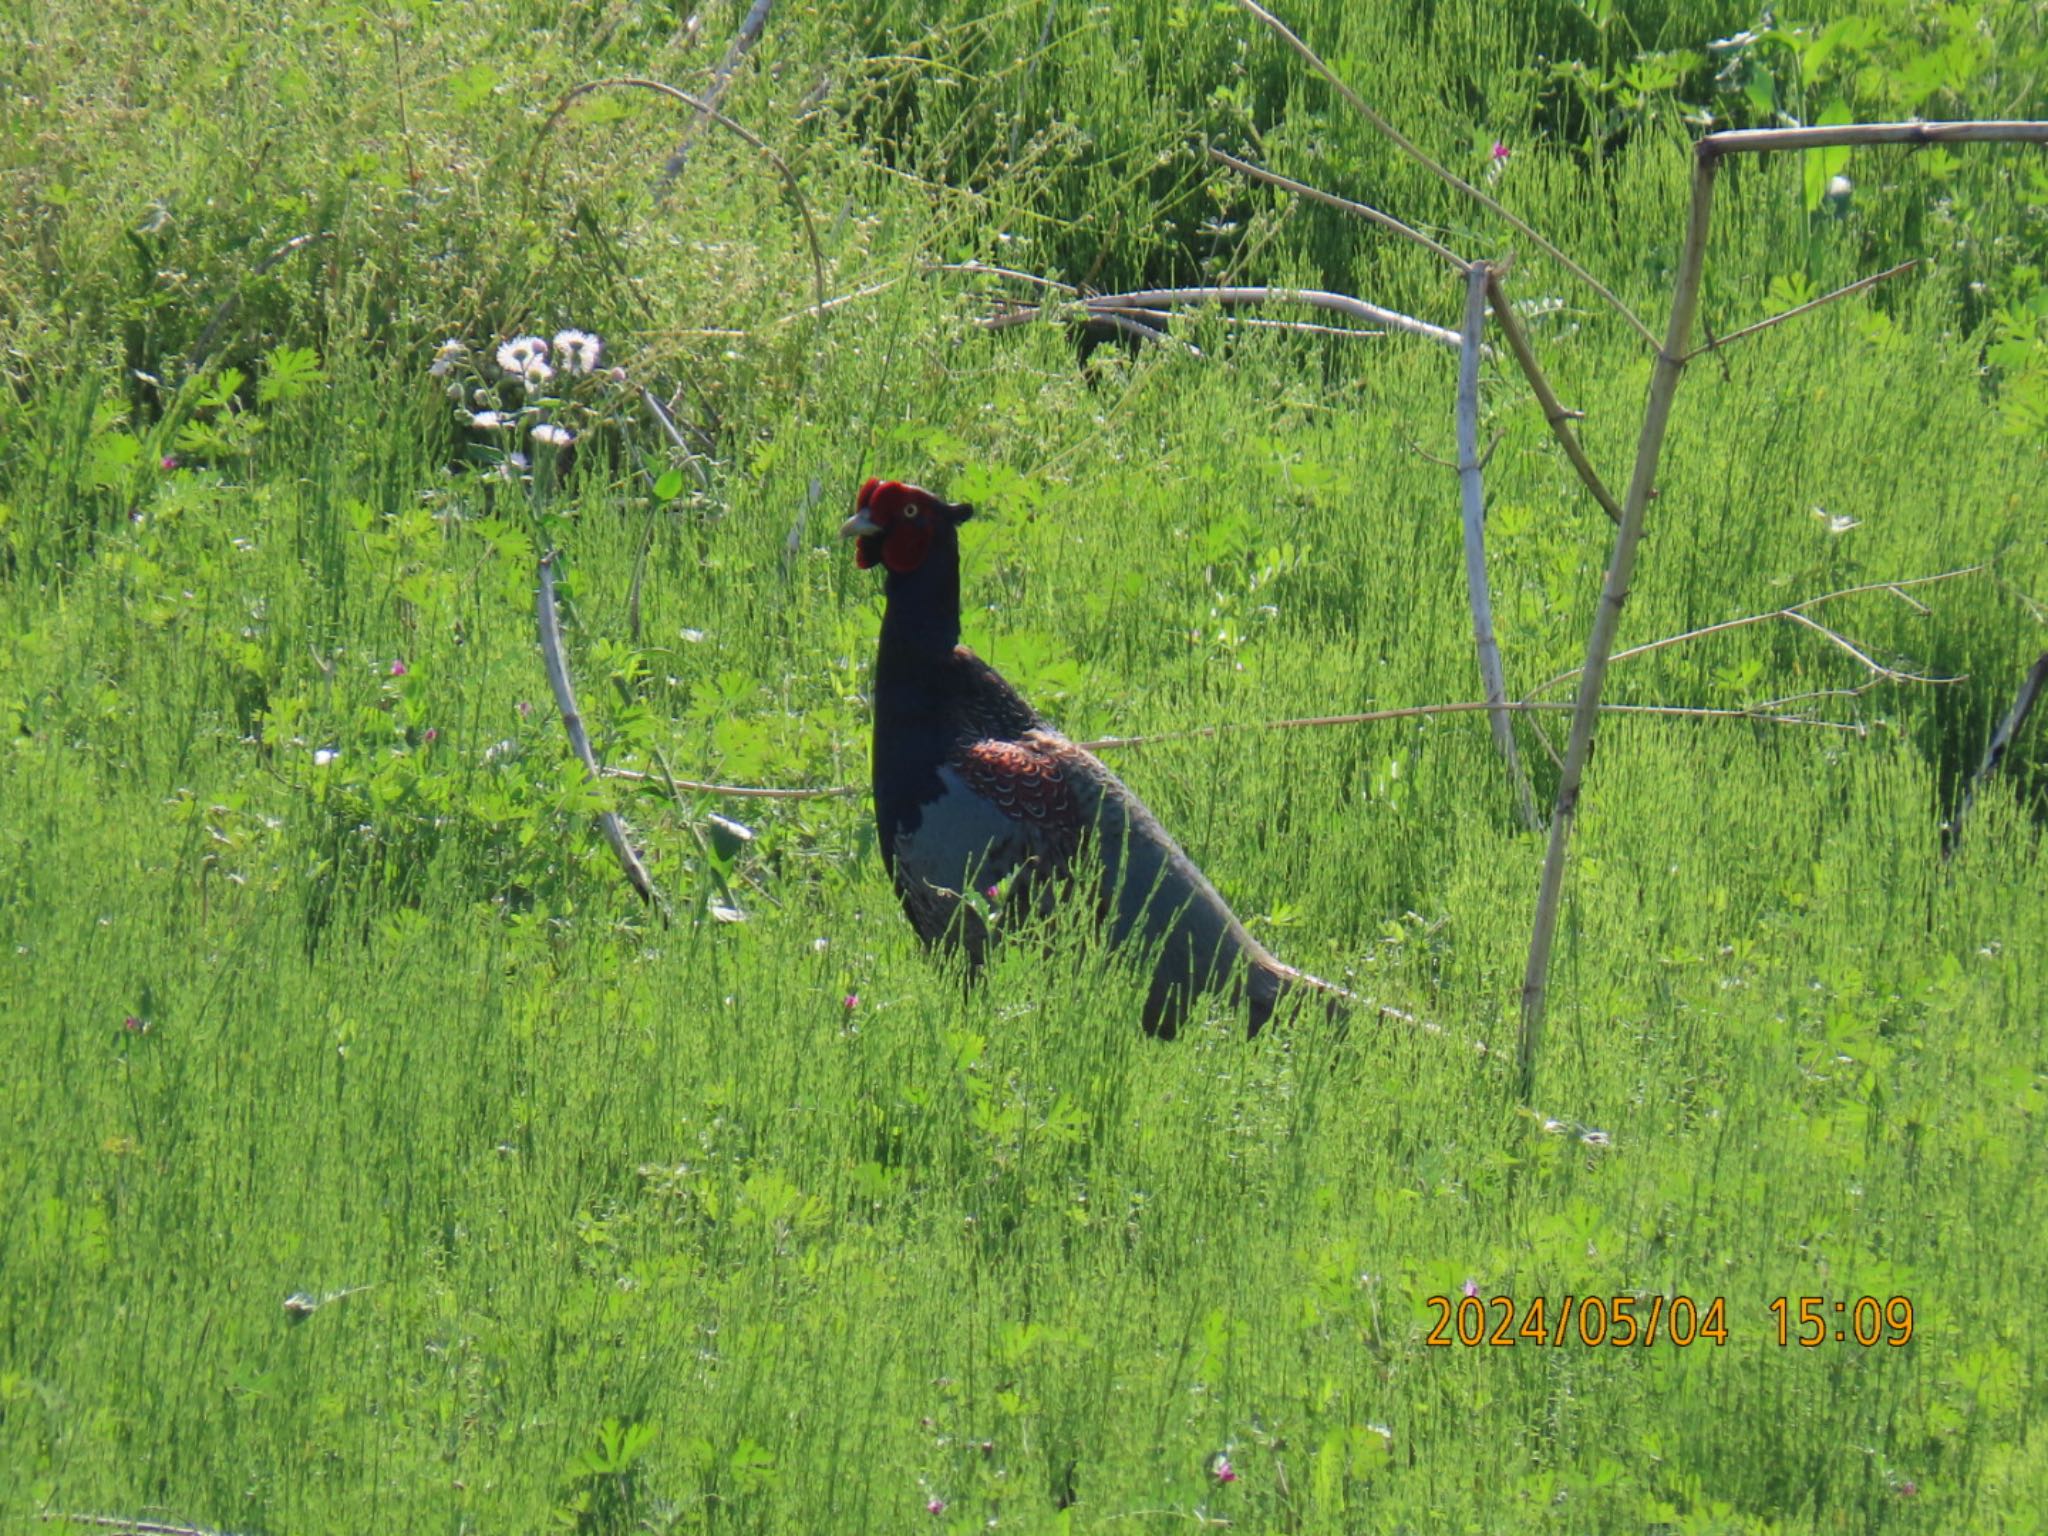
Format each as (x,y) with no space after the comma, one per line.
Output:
(1664,376)
(810,311)
(667,422)
(747,135)
(1100,309)
(552,656)
(1402,143)
(748,34)
(1467,707)
(1472,500)
(982,268)
(1994,754)
(1160,298)
(1554,410)
(1317,194)
(1792,611)
(733,791)
(1889,674)
(1858,286)
(1758,715)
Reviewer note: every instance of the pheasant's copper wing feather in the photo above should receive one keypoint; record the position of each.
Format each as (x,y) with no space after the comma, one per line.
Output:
(1028,783)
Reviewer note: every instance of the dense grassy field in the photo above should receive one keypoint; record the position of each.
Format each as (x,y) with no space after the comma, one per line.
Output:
(372,1159)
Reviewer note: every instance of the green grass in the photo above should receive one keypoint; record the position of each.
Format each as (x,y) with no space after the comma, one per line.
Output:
(653,1229)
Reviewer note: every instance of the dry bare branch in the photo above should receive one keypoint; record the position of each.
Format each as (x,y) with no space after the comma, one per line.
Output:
(810,311)
(1758,715)
(982,268)
(1794,611)
(557,665)
(1401,142)
(1100,305)
(748,34)
(740,130)
(1317,194)
(1794,313)
(734,791)
(1554,411)
(1467,707)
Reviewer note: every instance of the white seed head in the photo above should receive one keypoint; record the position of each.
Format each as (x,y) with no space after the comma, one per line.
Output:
(554,436)
(517,354)
(577,351)
(451,355)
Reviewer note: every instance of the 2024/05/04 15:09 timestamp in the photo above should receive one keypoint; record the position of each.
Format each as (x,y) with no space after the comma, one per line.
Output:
(1621,1322)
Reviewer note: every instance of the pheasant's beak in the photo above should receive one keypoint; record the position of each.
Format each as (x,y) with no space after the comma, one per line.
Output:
(859,525)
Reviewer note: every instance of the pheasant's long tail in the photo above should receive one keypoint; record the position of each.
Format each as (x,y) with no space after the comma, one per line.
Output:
(1342,1005)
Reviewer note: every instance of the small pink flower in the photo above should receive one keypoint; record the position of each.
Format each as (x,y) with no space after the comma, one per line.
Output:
(525,709)
(1908,1488)
(168,461)
(935,1506)
(398,667)
(135,1026)
(1470,1287)
(993,893)
(431,736)
(1500,152)
(852,1001)
(1223,1470)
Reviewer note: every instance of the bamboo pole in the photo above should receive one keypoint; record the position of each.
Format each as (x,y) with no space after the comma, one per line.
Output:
(1759,141)
(1664,378)
(1472,502)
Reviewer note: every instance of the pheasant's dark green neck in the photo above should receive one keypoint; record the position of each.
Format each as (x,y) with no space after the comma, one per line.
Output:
(922,619)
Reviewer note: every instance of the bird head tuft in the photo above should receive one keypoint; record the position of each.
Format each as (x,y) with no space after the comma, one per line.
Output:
(893,524)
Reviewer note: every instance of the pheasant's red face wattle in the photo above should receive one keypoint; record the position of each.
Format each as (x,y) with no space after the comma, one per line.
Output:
(893,524)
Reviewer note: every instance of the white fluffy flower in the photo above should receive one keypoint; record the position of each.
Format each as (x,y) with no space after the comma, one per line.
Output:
(491,421)
(538,374)
(577,351)
(521,352)
(554,436)
(451,355)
